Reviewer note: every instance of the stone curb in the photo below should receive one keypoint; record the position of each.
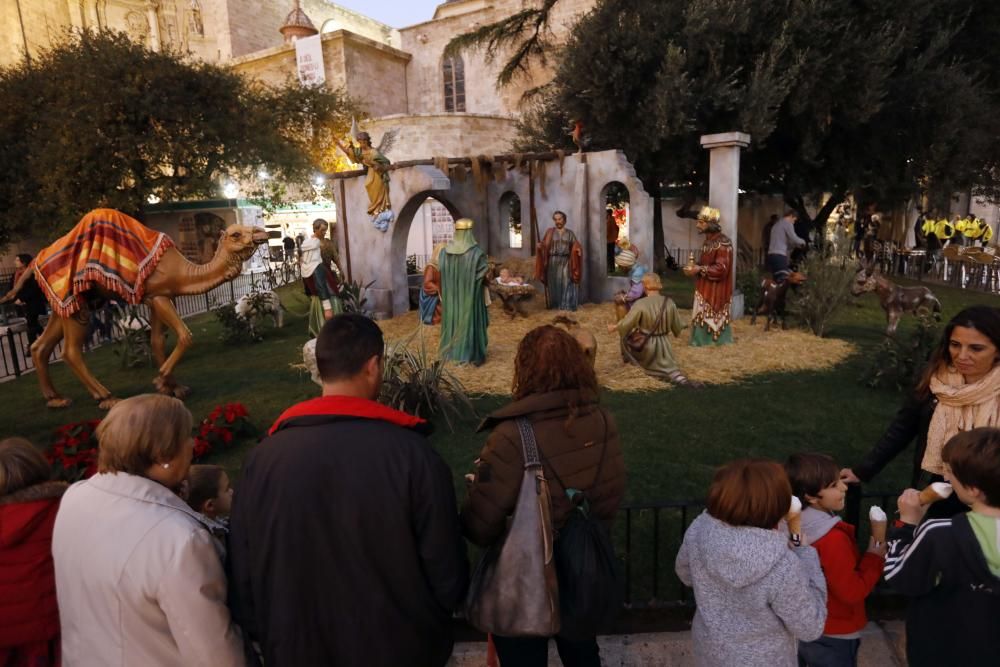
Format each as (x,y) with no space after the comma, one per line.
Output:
(673,649)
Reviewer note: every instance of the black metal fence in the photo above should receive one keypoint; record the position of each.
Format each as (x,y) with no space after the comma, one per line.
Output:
(15,357)
(647,537)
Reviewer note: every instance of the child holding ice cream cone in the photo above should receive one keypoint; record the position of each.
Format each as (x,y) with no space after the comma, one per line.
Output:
(850,577)
(950,568)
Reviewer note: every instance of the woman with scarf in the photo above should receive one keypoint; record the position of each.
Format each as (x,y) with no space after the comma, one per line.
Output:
(959,391)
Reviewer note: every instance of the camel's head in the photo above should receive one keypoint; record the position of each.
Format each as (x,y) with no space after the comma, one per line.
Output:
(241,240)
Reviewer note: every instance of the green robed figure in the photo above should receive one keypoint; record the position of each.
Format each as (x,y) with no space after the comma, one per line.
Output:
(464,318)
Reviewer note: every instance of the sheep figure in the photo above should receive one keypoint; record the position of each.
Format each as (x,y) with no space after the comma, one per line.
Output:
(251,307)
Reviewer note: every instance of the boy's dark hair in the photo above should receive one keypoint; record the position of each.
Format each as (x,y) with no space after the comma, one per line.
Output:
(974,459)
(345,345)
(203,485)
(810,473)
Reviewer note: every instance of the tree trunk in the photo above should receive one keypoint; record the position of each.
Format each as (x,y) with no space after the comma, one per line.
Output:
(659,247)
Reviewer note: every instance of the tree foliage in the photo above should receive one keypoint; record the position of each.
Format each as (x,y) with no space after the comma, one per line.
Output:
(879,99)
(102,121)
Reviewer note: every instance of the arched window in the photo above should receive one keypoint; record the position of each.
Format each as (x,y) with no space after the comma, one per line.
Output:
(510,212)
(454,84)
(622,253)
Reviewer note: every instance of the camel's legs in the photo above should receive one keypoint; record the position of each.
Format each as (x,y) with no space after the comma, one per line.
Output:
(41,351)
(75,331)
(165,314)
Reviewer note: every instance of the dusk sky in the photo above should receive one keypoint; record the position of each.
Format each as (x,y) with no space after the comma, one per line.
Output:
(397,13)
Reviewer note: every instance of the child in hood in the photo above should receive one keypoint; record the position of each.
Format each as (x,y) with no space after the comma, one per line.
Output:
(850,578)
(757,595)
(950,568)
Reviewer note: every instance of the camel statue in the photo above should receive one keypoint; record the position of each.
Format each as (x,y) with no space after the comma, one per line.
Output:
(110,254)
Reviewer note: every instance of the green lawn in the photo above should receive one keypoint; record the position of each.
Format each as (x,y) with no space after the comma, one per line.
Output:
(673,439)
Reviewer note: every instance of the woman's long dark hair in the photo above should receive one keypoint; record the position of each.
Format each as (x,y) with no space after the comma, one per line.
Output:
(984,319)
(549,359)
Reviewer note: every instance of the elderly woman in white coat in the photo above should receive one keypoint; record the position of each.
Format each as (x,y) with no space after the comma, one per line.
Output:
(138,578)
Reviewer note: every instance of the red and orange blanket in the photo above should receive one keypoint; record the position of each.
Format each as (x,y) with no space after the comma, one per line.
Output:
(106,249)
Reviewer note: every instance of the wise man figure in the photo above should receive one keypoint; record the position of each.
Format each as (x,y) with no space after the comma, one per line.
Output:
(463,267)
(713,287)
(559,264)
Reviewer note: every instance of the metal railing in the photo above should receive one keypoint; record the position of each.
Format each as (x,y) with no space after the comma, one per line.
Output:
(648,535)
(15,356)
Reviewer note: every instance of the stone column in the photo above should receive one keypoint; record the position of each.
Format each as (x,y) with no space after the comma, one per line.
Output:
(724,179)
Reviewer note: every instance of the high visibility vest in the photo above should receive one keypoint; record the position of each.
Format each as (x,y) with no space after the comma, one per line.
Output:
(929,226)
(944,229)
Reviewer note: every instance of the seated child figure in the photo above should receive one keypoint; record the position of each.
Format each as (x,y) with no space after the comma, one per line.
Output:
(210,495)
(850,578)
(506,278)
(950,568)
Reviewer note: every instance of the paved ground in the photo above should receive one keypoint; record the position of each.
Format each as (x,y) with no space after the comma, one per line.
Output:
(673,649)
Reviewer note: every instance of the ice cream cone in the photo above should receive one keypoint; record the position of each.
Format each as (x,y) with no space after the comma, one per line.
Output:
(879,523)
(935,492)
(794,517)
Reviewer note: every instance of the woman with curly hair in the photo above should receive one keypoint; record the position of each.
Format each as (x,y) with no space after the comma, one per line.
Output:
(555,389)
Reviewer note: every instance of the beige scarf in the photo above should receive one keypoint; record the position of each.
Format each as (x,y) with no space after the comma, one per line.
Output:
(961,407)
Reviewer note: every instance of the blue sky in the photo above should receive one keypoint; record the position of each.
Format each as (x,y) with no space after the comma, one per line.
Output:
(397,13)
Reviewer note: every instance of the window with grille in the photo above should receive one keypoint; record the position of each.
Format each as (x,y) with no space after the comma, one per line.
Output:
(454,84)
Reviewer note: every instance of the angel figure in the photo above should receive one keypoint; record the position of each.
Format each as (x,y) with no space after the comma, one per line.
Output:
(377,180)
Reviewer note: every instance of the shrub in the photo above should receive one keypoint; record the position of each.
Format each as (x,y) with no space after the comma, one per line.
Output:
(829,277)
(222,427)
(235,329)
(898,363)
(352,296)
(413,384)
(130,328)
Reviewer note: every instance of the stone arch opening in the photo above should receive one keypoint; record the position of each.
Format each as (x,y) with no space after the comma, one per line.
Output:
(511,231)
(415,229)
(621,253)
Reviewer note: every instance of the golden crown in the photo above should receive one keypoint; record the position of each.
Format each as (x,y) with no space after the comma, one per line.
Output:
(464,223)
(709,214)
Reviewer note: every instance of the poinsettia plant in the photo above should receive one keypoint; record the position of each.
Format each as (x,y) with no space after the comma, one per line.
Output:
(73,454)
(224,425)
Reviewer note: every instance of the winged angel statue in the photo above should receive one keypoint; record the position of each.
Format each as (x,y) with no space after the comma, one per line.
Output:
(377,165)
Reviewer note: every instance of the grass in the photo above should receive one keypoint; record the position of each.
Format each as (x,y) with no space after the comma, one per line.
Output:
(672,440)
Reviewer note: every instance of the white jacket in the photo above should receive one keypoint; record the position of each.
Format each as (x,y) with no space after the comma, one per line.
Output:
(138,579)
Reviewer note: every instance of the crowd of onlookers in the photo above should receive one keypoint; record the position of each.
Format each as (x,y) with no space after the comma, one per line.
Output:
(344,543)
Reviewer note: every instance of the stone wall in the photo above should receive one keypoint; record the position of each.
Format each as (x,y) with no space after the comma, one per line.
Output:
(426,42)
(349,61)
(454,135)
(574,187)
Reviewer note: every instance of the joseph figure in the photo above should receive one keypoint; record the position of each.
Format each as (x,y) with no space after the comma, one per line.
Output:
(464,319)
(713,287)
(559,264)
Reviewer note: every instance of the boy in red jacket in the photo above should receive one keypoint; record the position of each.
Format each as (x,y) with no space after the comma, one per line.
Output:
(850,578)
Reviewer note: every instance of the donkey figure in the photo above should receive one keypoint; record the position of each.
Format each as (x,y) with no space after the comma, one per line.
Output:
(772,299)
(895,300)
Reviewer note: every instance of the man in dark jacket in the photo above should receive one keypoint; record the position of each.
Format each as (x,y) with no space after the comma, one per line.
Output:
(345,542)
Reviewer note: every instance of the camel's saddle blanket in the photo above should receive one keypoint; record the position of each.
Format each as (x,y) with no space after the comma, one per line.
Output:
(106,249)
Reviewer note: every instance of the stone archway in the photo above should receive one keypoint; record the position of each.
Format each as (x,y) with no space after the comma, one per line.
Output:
(400,234)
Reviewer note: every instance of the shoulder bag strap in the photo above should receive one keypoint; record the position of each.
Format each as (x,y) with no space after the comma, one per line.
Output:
(528,445)
(659,319)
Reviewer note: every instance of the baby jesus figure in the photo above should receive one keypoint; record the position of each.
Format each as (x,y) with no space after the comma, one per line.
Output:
(505,278)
